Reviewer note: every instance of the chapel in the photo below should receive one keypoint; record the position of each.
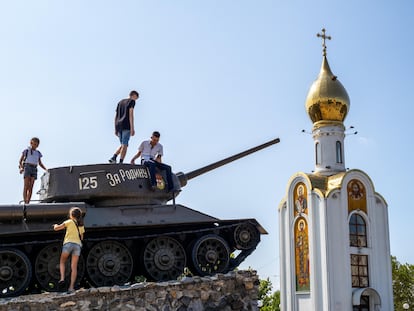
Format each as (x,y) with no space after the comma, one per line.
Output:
(334,231)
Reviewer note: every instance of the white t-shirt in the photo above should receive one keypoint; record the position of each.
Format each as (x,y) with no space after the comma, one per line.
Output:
(32,156)
(149,152)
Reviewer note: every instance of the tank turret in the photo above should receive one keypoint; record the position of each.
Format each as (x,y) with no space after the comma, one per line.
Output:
(131,231)
(120,184)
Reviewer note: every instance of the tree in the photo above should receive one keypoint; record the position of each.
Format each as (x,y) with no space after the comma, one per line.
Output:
(402,284)
(270,301)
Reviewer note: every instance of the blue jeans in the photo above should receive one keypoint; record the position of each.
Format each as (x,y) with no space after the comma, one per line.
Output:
(152,165)
(71,248)
(124,136)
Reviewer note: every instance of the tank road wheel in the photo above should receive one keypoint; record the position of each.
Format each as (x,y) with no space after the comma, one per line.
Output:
(109,263)
(211,255)
(47,267)
(164,259)
(246,236)
(15,272)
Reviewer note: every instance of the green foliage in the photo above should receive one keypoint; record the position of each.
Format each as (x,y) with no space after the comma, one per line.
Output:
(140,279)
(402,284)
(270,301)
(186,273)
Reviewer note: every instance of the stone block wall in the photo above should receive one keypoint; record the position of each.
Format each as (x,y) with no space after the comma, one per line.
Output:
(236,290)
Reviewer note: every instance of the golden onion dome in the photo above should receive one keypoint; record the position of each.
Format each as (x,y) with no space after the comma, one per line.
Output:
(327,99)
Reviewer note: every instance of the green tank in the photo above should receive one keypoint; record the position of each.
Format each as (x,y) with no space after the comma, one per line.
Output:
(132,230)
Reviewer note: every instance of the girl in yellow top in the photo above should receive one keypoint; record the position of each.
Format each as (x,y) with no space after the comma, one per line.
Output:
(71,245)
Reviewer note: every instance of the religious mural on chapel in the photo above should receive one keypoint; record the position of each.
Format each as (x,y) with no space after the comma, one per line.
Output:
(300,195)
(302,255)
(301,238)
(357,199)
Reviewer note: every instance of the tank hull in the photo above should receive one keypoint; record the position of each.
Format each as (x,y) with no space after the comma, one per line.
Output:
(122,244)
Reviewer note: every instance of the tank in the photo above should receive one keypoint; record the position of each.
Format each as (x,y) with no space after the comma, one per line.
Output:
(132,230)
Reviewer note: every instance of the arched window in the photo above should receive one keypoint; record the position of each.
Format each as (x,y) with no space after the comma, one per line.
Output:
(364,304)
(338,152)
(357,231)
(318,153)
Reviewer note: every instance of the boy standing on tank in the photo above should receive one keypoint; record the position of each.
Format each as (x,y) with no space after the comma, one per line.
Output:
(124,125)
(29,160)
(72,245)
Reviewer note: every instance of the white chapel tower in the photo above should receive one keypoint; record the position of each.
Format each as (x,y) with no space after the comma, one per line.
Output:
(334,238)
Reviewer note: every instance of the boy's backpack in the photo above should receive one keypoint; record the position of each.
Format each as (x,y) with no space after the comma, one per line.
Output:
(25,153)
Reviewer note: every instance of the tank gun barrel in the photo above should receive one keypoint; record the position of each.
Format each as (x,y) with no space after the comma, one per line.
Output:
(183,178)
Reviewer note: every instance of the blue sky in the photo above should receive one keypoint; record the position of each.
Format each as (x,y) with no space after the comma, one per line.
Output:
(215,78)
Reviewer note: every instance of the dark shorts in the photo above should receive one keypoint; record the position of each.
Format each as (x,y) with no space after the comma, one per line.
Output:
(30,171)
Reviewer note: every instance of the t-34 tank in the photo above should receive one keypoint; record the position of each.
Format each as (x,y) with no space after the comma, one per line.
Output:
(130,229)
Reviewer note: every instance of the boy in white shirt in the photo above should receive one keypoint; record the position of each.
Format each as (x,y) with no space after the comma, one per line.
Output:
(30,159)
(151,152)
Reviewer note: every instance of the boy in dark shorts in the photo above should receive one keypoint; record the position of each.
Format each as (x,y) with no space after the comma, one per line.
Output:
(124,125)
(30,159)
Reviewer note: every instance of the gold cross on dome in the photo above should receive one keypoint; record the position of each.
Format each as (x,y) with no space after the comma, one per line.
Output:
(324,37)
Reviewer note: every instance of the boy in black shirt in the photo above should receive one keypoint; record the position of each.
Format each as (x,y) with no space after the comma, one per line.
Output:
(124,125)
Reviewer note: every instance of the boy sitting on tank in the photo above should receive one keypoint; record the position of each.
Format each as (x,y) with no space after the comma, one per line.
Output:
(151,152)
